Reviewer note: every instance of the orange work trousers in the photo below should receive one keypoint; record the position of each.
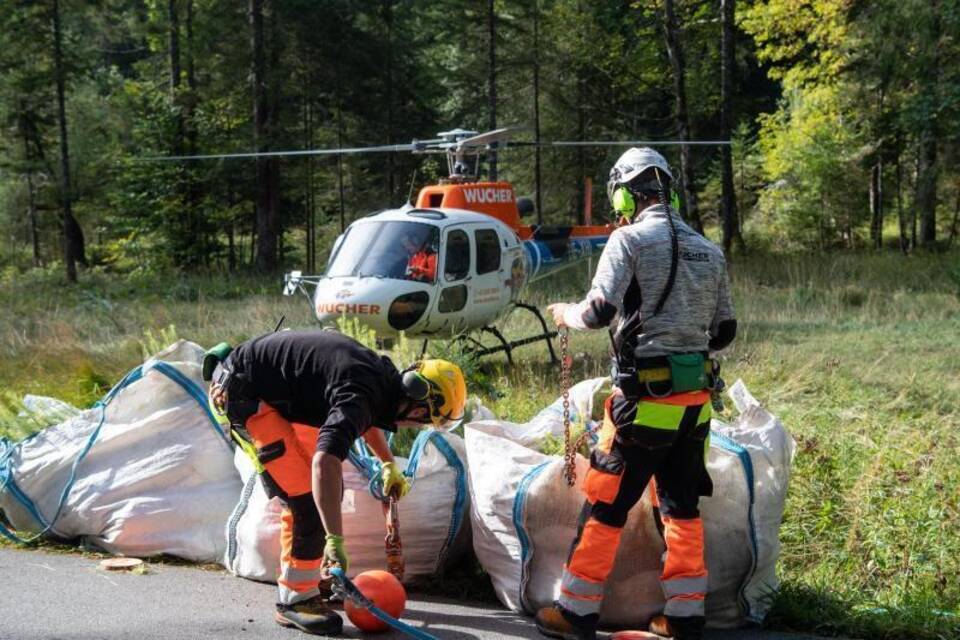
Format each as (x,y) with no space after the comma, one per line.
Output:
(628,454)
(284,451)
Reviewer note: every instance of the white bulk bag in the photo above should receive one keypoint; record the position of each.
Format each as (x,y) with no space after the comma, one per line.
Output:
(432,516)
(146,472)
(524,520)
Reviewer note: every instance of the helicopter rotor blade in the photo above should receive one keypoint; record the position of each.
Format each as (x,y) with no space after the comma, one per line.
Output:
(416,145)
(618,143)
(490,137)
(500,137)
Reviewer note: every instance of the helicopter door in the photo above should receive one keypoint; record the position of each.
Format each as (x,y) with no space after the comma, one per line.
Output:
(454,283)
(488,289)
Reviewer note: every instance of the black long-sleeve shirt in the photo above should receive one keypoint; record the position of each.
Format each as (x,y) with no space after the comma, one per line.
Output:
(319,378)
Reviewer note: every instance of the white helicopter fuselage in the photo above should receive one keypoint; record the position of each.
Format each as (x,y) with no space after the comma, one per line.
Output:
(479,268)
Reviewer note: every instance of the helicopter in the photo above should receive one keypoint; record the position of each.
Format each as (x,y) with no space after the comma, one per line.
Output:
(453,263)
(457,260)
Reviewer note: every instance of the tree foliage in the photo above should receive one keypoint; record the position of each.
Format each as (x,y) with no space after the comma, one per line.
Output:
(843,118)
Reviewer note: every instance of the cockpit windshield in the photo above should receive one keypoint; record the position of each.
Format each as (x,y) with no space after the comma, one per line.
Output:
(399,250)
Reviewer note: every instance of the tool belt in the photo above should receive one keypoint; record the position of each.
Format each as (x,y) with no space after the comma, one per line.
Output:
(661,376)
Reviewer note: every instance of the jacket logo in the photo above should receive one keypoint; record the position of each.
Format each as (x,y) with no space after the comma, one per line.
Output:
(694,256)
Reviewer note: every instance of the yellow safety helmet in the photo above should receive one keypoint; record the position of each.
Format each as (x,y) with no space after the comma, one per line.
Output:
(440,384)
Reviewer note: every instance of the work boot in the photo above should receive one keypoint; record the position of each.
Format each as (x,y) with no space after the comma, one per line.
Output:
(310,616)
(552,622)
(677,628)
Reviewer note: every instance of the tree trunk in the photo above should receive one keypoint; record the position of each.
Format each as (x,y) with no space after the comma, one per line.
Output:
(74,250)
(913,209)
(309,200)
(688,205)
(183,253)
(536,111)
(928,170)
(231,248)
(901,219)
(253,240)
(175,72)
(492,80)
(266,241)
(876,205)
(728,199)
(174,47)
(31,189)
(190,129)
(342,205)
(391,172)
(926,200)
(32,212)
(273,127)
(581,123)
(956,221)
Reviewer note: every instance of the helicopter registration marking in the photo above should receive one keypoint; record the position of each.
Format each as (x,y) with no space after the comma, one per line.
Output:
(343,307)
(488,194)
(487,295)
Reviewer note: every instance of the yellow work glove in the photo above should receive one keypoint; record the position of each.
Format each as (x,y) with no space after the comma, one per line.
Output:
(394,480)
(334,553)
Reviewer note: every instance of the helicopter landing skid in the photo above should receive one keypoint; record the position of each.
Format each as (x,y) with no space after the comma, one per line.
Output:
(507,346)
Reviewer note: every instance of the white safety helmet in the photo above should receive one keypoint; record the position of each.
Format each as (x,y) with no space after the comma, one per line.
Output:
(632,163)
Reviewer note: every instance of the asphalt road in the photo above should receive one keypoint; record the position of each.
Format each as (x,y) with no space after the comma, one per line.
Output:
(53,596)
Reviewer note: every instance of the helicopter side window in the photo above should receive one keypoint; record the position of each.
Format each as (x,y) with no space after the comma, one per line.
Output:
(457,261)
(488,251)
(452,299)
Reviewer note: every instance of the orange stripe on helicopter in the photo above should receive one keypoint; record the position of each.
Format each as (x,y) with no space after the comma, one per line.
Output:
(495,199)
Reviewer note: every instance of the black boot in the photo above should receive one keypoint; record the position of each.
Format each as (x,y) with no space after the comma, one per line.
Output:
(310,616)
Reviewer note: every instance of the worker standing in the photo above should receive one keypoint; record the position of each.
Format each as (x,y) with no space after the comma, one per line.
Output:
(328,381)
(666,290)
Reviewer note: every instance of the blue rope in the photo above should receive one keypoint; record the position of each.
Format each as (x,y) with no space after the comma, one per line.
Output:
(351,591)
(519,502)
(195,392)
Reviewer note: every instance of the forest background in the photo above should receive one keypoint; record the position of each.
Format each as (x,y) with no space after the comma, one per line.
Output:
(838,206)
(844,116)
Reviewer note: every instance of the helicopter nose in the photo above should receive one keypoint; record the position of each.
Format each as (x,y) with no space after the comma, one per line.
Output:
(384,305)
(335,298)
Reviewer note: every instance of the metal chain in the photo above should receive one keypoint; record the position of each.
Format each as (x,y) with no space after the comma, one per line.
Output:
(392,543)
(569,449)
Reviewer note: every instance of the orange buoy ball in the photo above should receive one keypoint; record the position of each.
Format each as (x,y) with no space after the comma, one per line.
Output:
(385,591)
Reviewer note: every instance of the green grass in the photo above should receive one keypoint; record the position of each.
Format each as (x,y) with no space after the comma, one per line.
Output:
(859,355)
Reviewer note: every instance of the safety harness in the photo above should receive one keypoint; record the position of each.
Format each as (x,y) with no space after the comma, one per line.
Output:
(662,376)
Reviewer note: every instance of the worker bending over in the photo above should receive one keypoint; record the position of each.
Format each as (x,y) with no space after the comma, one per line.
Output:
(667,288)
(330,382)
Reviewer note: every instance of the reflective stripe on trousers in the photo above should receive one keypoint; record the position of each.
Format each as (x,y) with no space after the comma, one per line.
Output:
(581,588)
(684,577)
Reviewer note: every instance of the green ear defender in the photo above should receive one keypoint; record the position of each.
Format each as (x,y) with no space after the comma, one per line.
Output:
(624,204)
(674,200)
